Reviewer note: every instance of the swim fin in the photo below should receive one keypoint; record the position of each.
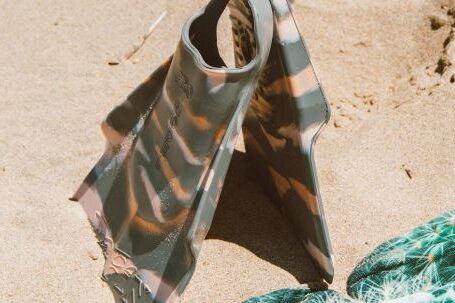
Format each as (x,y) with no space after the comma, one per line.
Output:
(287,114)
(152,196)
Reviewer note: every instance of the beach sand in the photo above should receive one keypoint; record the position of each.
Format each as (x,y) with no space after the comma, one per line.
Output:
(386,160)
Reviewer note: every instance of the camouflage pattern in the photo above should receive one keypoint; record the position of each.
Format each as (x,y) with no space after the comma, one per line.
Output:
(151,197)
(287,113)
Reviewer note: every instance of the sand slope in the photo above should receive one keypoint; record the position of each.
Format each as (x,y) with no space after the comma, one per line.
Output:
(392,115)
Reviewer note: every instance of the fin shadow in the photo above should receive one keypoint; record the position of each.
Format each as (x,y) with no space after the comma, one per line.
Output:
(246,216)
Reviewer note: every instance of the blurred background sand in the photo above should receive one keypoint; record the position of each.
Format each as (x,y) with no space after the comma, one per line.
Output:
(386,160)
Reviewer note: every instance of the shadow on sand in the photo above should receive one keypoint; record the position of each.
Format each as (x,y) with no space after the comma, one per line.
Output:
(247,217)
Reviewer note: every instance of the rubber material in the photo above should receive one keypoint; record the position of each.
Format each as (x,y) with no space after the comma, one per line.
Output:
(152,196)
(287,114)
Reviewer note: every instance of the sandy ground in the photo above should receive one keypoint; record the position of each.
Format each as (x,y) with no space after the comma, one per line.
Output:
(386,69)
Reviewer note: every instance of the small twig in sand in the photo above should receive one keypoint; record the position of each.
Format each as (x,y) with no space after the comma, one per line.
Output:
(402,103)
(135,47)
(408,172)
(143,38)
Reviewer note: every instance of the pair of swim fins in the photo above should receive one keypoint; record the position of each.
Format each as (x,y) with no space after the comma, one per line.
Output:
(151,197)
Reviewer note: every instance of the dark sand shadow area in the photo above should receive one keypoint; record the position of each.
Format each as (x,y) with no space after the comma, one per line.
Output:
(247,217)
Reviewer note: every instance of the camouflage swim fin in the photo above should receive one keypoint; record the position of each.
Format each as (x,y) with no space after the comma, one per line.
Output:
(280,130)
(152,196)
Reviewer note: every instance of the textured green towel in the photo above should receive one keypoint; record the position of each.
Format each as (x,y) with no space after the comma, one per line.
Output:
(416,267)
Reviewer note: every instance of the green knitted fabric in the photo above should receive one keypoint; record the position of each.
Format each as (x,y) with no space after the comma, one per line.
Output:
(304,295)
(416,267)
(287,295)
(423,260)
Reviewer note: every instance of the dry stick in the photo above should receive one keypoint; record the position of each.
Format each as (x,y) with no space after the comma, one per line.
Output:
(142,40)
(144,37)
(402,103)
